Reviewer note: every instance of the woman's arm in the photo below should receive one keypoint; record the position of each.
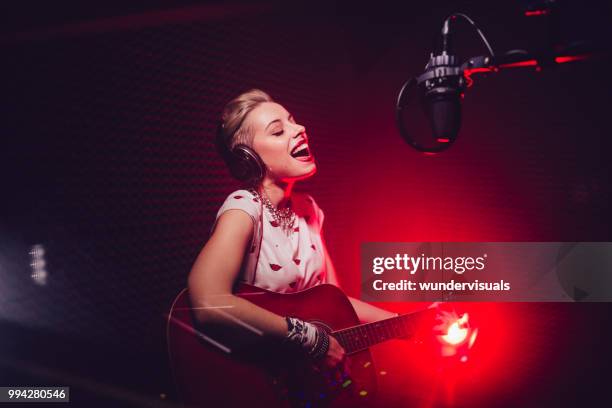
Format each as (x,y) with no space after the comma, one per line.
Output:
(213,274)
(367,313)
(212,277)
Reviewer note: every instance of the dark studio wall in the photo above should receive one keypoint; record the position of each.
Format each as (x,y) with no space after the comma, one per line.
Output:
(107,158)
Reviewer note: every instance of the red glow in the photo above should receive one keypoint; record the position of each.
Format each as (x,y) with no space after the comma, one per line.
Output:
(528,63)
(468,72)
(443,140)
(425,185)
(469,81)
(449,372)
(531,13)
(471,71)
(570,58)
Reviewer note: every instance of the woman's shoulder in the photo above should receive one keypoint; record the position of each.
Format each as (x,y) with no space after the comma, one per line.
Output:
(243,200)
(240,194)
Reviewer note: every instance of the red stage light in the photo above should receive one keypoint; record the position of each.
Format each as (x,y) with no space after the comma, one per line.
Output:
(457,331)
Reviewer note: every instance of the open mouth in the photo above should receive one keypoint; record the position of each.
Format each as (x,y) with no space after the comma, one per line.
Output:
(301,152)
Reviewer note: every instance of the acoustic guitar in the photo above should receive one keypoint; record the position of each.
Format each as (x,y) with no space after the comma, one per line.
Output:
(211,371)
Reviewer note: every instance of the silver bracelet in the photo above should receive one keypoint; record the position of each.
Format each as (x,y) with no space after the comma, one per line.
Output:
(321,347)
(310,338)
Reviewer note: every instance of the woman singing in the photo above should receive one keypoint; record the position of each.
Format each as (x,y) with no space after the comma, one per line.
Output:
(267,234)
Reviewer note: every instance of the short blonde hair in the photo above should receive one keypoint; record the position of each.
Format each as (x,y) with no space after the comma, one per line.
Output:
(234,114)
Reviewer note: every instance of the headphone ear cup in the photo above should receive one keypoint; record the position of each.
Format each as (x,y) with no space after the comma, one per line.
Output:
(246,165)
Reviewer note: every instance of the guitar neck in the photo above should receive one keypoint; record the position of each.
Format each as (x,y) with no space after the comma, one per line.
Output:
(360,337)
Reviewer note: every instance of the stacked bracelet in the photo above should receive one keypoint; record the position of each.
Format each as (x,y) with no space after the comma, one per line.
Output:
(312,339)
(321,346)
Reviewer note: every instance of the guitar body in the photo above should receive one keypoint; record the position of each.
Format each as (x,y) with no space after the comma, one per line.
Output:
(211,372)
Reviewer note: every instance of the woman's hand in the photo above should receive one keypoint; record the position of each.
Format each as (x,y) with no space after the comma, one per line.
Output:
(327,355)
(335,354)
(335,365)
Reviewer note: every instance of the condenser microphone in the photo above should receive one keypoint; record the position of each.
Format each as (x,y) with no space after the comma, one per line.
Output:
(428,108)
(440,89)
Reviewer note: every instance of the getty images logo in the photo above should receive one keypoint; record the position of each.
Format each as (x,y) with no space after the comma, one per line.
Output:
(412,264)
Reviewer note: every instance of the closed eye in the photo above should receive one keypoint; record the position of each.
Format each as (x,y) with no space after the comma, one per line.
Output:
(278,133)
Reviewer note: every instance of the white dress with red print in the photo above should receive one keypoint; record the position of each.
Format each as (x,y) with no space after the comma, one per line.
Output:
(276,261)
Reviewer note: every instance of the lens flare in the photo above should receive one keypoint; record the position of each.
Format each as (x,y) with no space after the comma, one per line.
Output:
(473,338)
(457,331)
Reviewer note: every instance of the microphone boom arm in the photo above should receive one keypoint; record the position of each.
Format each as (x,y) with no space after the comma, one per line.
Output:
(485,63)
(440,89)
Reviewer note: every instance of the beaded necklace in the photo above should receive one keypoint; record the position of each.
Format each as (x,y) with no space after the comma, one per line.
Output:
(284,218)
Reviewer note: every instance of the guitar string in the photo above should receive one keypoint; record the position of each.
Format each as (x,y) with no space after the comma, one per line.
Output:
(363,336)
